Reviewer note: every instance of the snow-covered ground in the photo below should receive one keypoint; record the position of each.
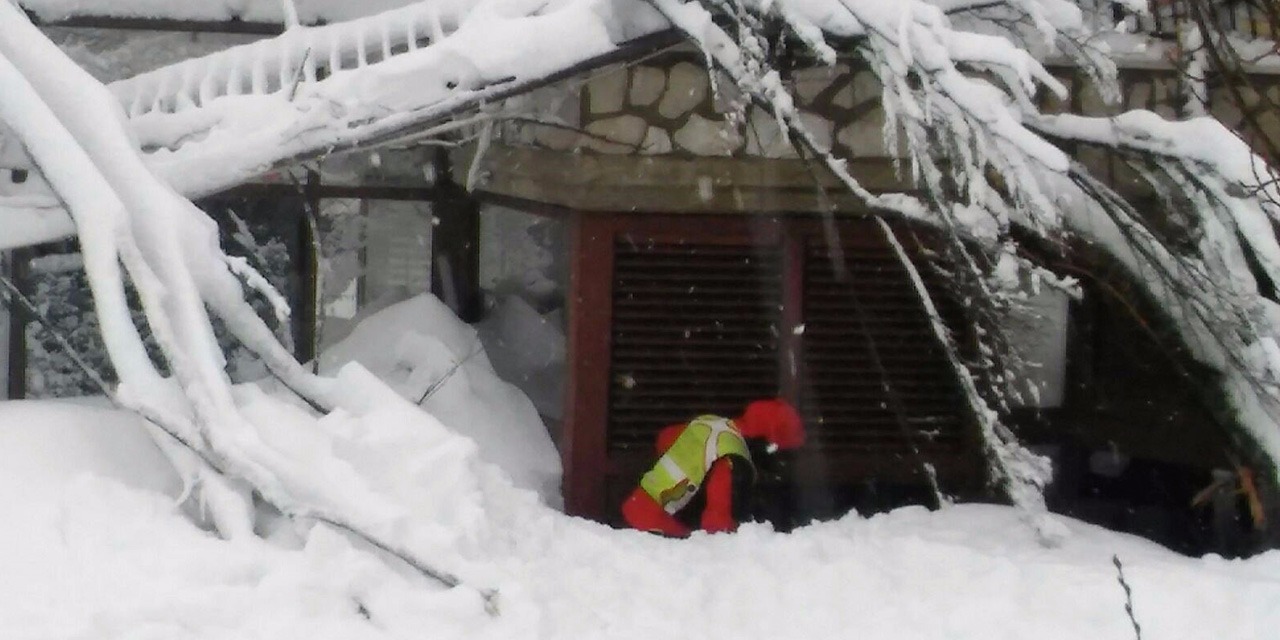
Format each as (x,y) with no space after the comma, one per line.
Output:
(93,545)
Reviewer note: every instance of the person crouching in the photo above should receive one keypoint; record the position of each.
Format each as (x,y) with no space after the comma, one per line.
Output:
(706,465)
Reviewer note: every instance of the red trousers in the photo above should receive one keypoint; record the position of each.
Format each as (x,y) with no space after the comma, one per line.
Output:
(642,512)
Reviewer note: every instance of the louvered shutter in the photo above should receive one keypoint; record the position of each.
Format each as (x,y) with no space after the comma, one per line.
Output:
(694,331)
(703,321)
(842,396)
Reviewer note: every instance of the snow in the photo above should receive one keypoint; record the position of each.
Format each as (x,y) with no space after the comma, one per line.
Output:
(527,349)
(416,346)
(92,545)
(47,444)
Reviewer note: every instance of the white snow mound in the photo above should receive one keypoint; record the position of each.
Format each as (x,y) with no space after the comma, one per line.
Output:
(45,445)
(415,347)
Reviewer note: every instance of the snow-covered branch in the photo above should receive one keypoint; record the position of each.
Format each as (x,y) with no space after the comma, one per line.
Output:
(128,217)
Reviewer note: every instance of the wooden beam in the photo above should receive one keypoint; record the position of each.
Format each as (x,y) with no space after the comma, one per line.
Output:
(233,26)
(307,265)
(455,247)
(678,185)
(328,191)
(791,353)
(590,304)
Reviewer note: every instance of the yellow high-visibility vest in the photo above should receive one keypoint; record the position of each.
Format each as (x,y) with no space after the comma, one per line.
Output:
(676,477)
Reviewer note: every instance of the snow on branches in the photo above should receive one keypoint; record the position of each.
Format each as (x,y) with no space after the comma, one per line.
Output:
(126,216)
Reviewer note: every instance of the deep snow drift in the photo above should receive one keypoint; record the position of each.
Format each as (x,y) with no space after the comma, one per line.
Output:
(93,545)
(429,357)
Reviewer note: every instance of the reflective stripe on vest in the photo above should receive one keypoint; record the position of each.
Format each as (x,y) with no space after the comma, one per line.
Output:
(676,477)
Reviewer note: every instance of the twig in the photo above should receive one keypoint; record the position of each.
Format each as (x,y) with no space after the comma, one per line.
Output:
(1128,596)
(243,236)
(317,286)
(897,406)
(16,295)
(435,386)
(298,75)
(490,596)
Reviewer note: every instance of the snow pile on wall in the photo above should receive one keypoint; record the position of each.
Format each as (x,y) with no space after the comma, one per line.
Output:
(416,347)
(44,445)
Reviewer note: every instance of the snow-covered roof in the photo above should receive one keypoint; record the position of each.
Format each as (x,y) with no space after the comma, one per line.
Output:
(309,11)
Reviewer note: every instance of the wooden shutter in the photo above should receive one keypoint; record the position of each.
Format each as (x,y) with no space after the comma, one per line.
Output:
(694,331)
(842,396)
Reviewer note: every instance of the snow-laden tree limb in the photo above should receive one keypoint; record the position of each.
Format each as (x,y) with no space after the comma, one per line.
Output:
(125,215)
(1211,289)
(1019,472)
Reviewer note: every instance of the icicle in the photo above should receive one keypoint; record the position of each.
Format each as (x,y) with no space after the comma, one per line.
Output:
(437,29)
(385,33)
(258,76)
(411,32)
(335,50)
(207,89)
(290,12)
(135,106)
(187,93)
(362,54)
(482,146)
(234,85)
(285,70)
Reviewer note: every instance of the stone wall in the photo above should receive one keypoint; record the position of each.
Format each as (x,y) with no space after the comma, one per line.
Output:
(667,107)
(638,130)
